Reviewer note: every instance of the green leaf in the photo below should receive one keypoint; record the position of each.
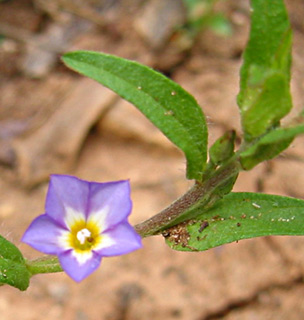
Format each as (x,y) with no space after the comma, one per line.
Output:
(264,96)
(239,216)
(269,146)
(223,148)
(13,270)
(169,107)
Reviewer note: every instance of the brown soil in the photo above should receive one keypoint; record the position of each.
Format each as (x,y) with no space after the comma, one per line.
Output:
(253,279)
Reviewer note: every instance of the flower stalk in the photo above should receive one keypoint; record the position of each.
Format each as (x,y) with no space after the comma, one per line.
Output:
(45,264)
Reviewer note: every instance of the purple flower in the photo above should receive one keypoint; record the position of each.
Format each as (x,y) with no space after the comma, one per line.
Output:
(83,222)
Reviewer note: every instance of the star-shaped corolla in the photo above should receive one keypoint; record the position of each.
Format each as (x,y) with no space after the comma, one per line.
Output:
(83,222)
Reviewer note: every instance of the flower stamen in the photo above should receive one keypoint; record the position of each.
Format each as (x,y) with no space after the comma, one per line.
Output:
(84,235)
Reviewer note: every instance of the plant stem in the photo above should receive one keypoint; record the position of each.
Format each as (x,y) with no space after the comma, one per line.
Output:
(46,264)
(202,195)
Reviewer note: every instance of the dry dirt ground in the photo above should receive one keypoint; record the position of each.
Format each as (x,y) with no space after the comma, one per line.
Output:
(53,121)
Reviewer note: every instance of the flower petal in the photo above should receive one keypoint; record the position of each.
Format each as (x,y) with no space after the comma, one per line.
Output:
(72,217)
(66,193)
(110,203)
(124,240)
(43,234)
(76,270)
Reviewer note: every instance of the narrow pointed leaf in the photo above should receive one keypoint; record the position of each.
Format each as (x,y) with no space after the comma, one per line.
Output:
(169,107)
(264,96)
(269,146)
(239,216)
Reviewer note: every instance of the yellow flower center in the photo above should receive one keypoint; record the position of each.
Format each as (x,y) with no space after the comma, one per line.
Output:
(84,236)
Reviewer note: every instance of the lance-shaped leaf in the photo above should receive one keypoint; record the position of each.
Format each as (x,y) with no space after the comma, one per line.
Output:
(269,146)
(173,110)
(264,96)
(13,270)
(239,216)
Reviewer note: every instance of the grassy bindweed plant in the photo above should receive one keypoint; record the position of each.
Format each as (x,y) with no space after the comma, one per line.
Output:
(209,214)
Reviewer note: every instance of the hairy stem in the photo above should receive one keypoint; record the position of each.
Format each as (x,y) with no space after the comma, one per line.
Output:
(202,194)
(45,264)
